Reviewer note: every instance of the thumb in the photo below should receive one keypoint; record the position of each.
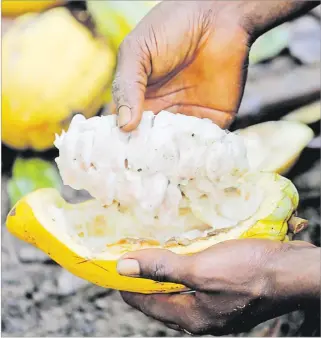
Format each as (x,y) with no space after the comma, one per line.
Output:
(130,83)
(158,264)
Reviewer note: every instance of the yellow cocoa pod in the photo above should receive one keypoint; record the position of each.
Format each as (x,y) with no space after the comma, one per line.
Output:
(52,67)
(67,232)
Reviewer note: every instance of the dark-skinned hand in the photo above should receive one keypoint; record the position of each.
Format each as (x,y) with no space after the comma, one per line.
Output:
(196,67)
(190,57)
(238,284)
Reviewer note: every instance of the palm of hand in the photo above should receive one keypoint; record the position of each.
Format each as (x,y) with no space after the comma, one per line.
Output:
(206,84)
(195,68)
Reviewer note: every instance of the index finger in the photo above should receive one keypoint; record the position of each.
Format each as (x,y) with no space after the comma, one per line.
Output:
(129,84)
(169,308)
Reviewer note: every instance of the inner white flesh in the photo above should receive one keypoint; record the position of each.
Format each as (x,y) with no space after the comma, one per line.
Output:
(89,229)
(175,176)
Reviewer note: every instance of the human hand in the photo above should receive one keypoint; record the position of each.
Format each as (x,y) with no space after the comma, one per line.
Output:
(184,56)
(238,284)
(190,57)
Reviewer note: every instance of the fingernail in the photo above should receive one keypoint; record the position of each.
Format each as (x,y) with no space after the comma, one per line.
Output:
(128,267)
(124,116)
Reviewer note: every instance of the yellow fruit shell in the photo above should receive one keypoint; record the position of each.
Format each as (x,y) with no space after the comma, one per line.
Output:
(31,221)
(308,114)
(280,144)
(14,8)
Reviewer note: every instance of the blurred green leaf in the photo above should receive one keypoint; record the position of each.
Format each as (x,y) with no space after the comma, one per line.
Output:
(29,175)
(270,44)
(115,19)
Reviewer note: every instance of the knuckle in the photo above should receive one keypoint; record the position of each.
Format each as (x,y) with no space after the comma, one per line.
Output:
(159,271)
(162,267)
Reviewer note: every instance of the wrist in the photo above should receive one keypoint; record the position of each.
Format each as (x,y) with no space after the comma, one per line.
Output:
(296,276)
(230,15)
(257,17)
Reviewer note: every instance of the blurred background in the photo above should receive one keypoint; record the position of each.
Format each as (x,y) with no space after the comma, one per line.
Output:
(58,59)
